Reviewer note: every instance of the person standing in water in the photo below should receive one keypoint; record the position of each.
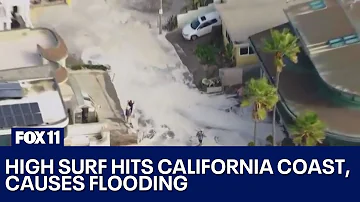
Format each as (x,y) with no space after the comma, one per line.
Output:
(200,135)
(129,110)
(131,105)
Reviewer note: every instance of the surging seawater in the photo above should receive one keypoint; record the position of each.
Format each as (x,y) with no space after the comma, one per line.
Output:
(148,71)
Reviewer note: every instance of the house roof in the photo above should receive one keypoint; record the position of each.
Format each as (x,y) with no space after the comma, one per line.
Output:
(352,8)
(319,26)
(302,90)
(244,18)
(337,66)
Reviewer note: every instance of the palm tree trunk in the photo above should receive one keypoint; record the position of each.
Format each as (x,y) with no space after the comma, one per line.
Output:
(255,124)
(274,111)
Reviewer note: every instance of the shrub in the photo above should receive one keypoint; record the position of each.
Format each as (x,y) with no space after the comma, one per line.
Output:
(206,54)
(251,144)
(229,52)
(287,142)
(93,67)
(269,140)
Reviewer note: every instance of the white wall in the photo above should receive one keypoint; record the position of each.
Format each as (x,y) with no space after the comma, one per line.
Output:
(86,129)
(58,125)
(185,18)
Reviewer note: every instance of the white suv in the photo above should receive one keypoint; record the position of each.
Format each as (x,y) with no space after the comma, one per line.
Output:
(201,25)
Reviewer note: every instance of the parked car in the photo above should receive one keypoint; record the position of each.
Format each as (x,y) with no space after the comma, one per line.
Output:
(201,25)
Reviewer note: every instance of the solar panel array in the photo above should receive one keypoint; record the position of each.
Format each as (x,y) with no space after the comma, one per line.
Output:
(25,114)
(10,90)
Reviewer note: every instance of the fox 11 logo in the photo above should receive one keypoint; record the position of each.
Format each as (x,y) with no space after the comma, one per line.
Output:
(37,136)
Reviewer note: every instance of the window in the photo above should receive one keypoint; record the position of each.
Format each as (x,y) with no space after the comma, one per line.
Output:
(351,39)
(342,41)
(335,43)
(213,21)
(195,24)
(246,50)
(204,25)
(317,5)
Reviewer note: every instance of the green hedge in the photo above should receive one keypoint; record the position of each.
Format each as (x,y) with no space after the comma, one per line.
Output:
(94,67)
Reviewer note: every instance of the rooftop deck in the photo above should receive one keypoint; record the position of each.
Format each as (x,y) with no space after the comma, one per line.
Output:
(302,89)
(18,48)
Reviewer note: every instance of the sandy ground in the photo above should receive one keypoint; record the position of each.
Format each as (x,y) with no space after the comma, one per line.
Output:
(168,109)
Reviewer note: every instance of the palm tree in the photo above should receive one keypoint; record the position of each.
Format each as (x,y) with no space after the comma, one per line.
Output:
(308,130)
(282,44)
(262,96)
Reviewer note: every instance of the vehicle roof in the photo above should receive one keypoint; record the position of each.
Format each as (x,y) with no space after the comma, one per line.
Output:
(209,15)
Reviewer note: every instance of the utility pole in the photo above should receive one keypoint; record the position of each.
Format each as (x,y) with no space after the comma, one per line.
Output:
(160,16)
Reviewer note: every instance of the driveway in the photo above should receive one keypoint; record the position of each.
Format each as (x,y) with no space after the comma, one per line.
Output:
(186,52)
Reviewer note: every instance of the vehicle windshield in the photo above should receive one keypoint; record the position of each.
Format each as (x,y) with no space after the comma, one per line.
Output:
(195,24)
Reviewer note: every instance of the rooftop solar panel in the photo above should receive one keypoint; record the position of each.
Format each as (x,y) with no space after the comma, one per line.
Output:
(10,90)
(25,108)
(34,107)
(16,109)
(26,114)
(6,109)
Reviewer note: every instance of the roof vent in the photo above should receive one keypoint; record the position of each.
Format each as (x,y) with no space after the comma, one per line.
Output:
(11,90)
(317,5)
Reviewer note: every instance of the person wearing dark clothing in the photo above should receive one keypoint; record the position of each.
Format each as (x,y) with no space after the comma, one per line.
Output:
(129,110)
(200,135)
(131,105)
(127,113)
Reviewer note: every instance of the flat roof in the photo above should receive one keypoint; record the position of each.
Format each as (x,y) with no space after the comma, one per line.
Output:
(302,89)
(25,73)
(338,67)
(352,8)
(319,26)
(244,18)
(18,48)
(45,93)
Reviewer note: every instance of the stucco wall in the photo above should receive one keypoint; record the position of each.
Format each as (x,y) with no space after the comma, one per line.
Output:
(185,18)
(244,59)
(240,60)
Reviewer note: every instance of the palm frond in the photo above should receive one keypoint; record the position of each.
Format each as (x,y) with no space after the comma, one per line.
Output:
(282,43)
(261,94)
(308,129)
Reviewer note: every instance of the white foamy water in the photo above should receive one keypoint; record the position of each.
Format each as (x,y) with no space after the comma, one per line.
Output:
(168,110)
